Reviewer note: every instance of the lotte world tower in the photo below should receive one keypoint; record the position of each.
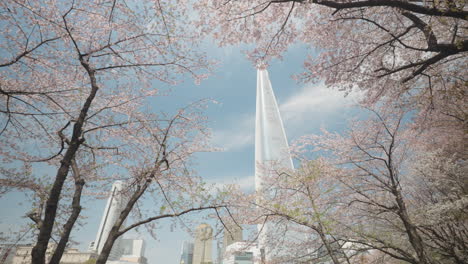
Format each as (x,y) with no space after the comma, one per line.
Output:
(271,145)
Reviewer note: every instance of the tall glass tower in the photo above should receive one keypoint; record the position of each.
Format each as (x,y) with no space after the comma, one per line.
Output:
(203,243)
(271,145)
(114,206)
(186,257)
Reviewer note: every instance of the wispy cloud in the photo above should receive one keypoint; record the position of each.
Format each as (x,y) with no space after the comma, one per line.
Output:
(306,108)
(315,106)
(246,183)
(237,136)
(313,100)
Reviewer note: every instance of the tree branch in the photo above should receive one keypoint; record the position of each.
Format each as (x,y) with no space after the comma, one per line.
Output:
(168,216)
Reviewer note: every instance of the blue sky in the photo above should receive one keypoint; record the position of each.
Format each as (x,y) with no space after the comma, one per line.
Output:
(304,109)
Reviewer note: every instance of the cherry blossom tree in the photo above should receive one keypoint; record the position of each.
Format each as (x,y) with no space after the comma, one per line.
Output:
(387,195)
(439,193)
(410,52)
(376,194)
(401,54)
(384,48)
(303,213)
(159,172)
(376,155)
(74,84)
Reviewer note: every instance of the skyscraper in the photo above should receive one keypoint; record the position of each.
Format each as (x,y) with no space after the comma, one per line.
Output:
(233,235)
(114,206)
(186,257)
(242,253)
(203,244)
(271,145)
(132,251)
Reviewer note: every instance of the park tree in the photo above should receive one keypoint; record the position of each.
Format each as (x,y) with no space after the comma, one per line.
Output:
(76,78)
(440,198)
(407,60)
(302,213)
(374,193)
(375,152)
(413,52)
(159,171)
(355,44)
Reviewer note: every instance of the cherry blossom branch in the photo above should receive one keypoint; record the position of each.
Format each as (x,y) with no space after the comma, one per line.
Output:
(405,5)
(150,219)
(278,33)
(26,52)
(39,250)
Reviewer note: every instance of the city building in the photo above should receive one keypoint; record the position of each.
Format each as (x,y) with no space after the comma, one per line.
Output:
(74,256)
(114,206)
(125,250)
(132,251)
(271,145)
(219,251)
(242,252)
(7,253)
(234,234)
(186,256)
(22,255)
(203,244)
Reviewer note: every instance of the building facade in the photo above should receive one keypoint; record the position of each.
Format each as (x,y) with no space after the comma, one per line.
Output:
(70,256)
(186,256)
(203,244)
(114,206)
(242,253)
(132,251)
(7,252)
(234,234)
(271,146)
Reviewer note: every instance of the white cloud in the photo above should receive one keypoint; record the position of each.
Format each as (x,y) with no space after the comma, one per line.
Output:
(246,183)
(305,108)
(313,101)
(238,136)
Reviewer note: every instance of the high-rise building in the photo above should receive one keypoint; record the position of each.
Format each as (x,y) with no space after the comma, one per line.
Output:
(234,234)
(271,145)
(219,251)
(132,250)
(186,256)
(203,243)
(114,206)
(242,253)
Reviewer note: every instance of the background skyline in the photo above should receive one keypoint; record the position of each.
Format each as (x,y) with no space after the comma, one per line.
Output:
(304,110)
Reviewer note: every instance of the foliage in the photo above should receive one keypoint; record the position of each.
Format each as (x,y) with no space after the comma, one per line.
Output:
(75,83)
(375,193)
(407,58)
(77,77)
(410,52)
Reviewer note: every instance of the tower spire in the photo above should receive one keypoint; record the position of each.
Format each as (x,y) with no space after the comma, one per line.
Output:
(271,145)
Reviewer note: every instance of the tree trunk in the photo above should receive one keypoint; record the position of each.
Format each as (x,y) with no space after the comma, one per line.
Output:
(414,238)
(38,253)
(70,223)
(106,250)
(327,244)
